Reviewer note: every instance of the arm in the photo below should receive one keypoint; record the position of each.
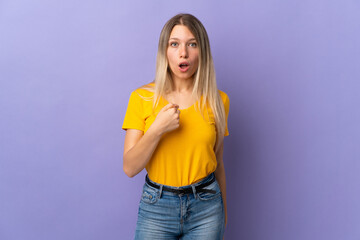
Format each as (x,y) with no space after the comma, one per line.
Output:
(220,177)
(139,147)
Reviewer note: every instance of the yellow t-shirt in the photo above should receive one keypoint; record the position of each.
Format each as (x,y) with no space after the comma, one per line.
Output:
(185,155)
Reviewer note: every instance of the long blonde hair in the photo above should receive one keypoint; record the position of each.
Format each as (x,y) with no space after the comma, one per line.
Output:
(204,83)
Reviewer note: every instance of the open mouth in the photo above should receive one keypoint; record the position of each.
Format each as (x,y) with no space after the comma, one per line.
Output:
(184,66)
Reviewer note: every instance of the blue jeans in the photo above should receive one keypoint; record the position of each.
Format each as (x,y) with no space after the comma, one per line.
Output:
(168,215)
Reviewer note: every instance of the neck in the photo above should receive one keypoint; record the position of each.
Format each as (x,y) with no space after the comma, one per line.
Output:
(183,85)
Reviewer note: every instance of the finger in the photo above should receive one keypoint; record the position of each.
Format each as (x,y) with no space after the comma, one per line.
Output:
(177,111)
(174,106)
(168,106)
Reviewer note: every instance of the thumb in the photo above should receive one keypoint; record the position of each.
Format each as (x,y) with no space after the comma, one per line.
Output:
(168,106)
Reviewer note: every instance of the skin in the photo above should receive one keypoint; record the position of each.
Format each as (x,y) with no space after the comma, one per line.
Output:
(139,147)
(182,47)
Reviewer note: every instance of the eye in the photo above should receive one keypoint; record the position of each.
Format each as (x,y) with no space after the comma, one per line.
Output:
(173,44)
(193,44)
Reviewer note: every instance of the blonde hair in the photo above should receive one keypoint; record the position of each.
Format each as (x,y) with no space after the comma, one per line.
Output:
(204,83)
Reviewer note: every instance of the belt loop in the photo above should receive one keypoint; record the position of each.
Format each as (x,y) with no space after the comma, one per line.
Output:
(160,192)
(194,191)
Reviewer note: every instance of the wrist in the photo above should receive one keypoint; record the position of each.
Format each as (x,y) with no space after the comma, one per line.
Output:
(154,132)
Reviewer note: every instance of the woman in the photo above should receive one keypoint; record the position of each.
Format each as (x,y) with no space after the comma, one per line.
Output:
(175,129)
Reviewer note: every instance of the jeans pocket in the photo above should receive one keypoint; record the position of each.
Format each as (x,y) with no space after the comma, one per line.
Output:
(205,196)
(149,195)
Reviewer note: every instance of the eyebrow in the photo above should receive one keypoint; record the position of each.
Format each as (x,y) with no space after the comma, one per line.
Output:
(191,39)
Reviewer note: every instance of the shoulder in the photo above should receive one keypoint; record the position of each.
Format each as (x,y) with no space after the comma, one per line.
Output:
(144,92)
(224,96)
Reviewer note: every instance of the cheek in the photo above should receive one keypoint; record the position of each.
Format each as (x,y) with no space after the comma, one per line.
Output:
(172,63)
(196,62)
(170,58)
(196,58)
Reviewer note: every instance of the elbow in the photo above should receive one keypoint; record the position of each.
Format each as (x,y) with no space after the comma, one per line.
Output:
(128,171)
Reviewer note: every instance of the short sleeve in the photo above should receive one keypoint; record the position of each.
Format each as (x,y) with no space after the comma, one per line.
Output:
(134,116)
(227,107)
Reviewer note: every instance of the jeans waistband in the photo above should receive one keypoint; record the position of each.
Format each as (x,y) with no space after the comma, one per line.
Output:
(193,188)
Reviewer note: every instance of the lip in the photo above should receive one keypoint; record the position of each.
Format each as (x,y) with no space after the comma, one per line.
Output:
(186,68)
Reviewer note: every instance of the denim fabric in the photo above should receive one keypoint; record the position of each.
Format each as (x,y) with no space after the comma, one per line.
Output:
(167,215)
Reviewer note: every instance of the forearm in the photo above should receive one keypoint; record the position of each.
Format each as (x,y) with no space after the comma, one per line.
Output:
(221,179)
(139,155)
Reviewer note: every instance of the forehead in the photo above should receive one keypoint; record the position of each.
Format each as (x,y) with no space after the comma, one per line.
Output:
(181,32)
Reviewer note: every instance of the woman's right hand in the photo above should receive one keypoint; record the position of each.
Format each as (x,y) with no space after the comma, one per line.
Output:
(167,119)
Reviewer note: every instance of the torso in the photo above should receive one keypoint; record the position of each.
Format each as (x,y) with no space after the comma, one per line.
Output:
(183,156)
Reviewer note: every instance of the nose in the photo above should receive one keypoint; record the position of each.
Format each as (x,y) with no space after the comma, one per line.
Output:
(183,51)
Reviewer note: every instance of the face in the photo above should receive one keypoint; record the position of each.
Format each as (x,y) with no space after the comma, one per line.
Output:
(182,53)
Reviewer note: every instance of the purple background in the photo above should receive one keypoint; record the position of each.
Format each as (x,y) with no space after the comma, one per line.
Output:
(290,68)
